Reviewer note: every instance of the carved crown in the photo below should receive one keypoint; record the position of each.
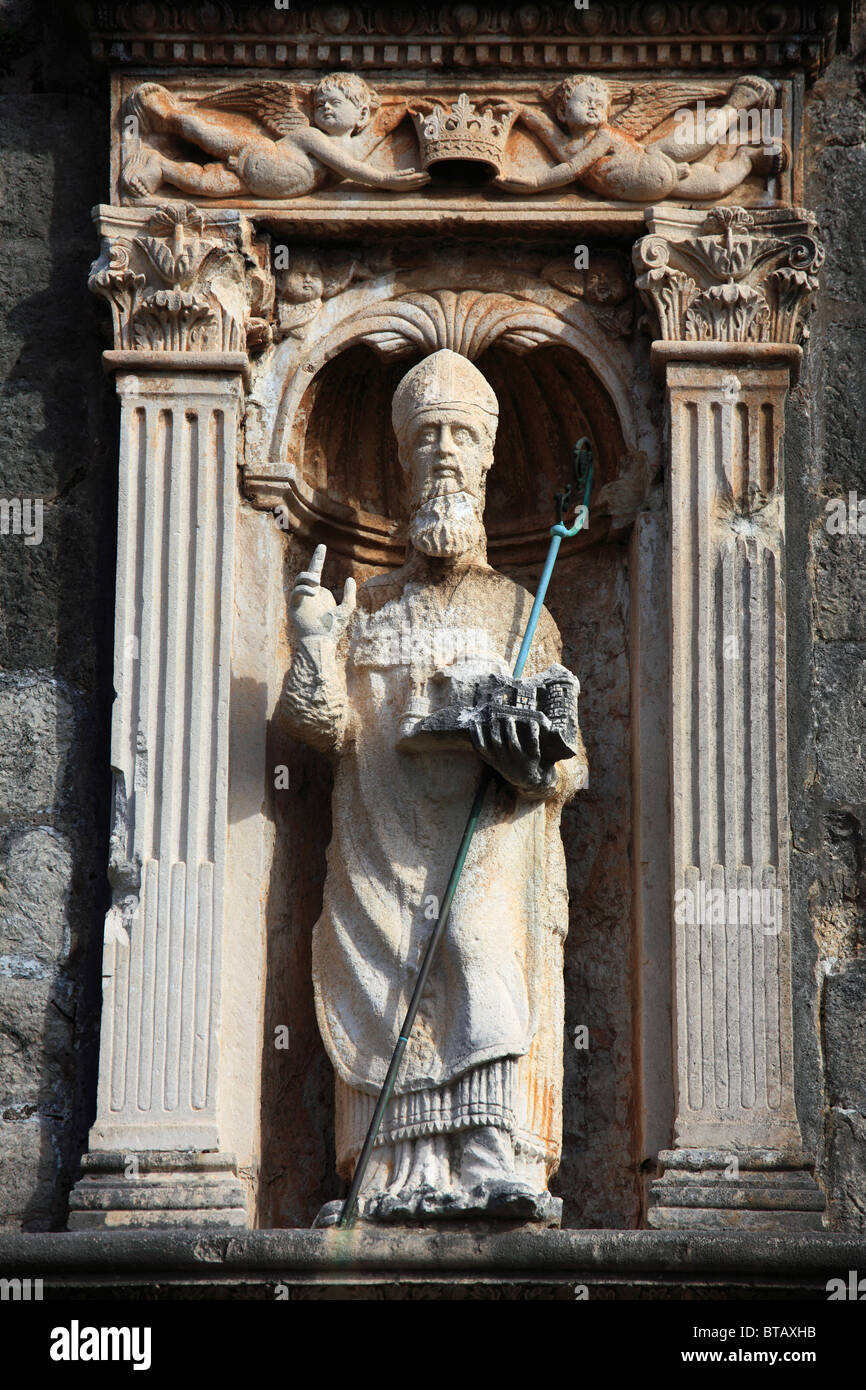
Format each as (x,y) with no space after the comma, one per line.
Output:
(464,132)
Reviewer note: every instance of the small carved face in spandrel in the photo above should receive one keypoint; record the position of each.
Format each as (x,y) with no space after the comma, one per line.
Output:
(302,282)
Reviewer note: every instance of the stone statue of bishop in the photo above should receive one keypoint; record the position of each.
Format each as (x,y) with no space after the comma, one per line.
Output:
(473,1129)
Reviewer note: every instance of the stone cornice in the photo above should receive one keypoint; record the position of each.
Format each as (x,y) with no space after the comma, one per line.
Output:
(108,1259)
(551,38)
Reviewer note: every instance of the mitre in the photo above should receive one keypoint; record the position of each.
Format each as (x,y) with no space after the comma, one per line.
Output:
(443,381)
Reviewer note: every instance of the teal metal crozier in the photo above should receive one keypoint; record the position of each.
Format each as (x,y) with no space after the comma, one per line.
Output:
(583,471)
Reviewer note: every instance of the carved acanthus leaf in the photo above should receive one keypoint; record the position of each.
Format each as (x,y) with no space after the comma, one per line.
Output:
(728,314)
(171,320)
(113,279)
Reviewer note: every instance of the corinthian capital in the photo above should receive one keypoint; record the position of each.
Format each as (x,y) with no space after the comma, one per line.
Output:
(177,281)
(732,276)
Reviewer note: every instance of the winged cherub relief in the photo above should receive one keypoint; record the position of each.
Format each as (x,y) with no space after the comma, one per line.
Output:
(304,148)
(643,145)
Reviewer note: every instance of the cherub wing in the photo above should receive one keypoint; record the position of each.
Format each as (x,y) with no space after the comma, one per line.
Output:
(338,273)
(640,111)
(279,106)
(388,117)
(385,119)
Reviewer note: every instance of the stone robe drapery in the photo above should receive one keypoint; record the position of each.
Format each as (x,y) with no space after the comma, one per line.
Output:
(495,991)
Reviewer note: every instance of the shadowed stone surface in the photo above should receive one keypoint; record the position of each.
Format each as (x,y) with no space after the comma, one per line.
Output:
(520,1263)
(57,610)
(827,656)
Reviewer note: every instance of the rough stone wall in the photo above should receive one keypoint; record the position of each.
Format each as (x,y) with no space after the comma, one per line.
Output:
(56,609)
(826,459)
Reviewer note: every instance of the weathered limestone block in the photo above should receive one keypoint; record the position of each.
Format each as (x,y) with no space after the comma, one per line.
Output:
(37,1063)
(845,1168)
(30,1171)
(838,684)
(845,1036)
(834,882)
(35,925)
(40,929)
(34,1067)
(837,559)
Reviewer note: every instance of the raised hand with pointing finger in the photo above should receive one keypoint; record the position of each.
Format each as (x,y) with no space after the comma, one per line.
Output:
(314,610)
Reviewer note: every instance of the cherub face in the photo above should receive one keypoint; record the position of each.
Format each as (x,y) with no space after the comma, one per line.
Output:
(605,286)
(335,113)
(587,106)
(302,283)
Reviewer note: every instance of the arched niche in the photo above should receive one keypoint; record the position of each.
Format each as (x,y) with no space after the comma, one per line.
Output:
(320,428)
(326,448)
(346,452)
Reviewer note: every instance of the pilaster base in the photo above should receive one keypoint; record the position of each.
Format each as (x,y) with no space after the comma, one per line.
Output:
(158,1190)
(714,1189)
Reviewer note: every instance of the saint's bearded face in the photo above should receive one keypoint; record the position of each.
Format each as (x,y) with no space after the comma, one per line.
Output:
(447,454)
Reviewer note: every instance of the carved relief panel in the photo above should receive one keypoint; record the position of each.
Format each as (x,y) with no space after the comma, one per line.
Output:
(339,144)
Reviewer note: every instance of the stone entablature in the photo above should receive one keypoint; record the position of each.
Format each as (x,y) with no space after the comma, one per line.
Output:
(514,147)
(553,38)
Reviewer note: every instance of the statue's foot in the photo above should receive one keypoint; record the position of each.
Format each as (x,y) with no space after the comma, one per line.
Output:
(750,92)
(771,159)
(151,102)
(440,1205)
(413,1205)
(392,1206)
(408,1207)
(142,172)
(497,1200)
(380,1207)
(513,1200)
